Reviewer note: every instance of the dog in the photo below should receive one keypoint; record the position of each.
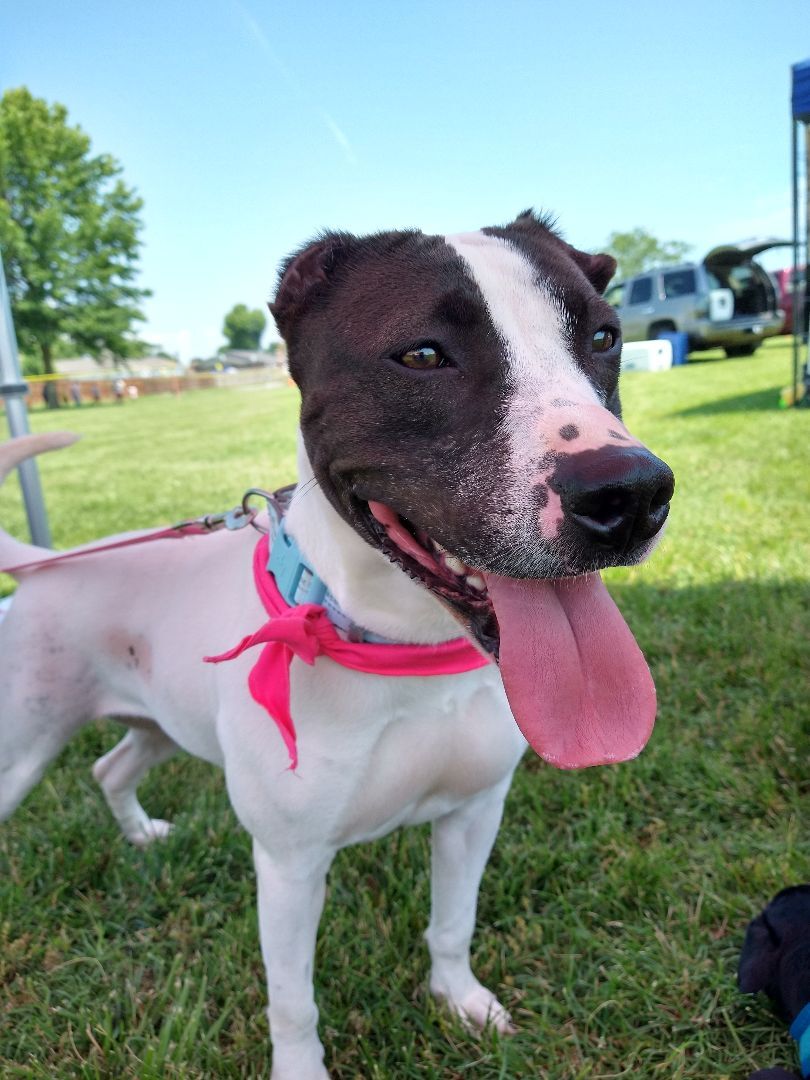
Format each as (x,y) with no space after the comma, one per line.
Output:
(463,471)
(775,958)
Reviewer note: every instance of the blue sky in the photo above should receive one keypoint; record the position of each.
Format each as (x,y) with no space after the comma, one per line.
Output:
(249,125)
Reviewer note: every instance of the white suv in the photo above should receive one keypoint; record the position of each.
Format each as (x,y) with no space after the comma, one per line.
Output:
(728,300)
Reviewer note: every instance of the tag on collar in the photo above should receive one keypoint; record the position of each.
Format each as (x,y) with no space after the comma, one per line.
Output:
(296,580)
(299,584)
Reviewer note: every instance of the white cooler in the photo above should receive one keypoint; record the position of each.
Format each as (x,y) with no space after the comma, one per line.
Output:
(647,355)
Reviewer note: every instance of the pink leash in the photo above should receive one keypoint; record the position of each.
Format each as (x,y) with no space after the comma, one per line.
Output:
(233,519)
(306,632)
(174,532)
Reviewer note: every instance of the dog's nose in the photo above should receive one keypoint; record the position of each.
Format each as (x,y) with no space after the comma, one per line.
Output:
(618,497)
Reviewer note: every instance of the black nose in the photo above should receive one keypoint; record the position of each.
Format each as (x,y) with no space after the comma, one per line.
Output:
(618,497)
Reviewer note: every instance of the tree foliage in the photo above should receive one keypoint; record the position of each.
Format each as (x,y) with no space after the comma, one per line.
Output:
(243,327)
(69,234)
(638,250)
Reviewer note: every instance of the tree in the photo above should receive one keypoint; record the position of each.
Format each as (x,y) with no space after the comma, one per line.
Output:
(639,250)
(244,327)
(69,234)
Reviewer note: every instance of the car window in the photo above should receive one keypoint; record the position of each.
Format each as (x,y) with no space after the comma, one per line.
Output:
(679,283)
(615,295)
(641,291)
(741,279)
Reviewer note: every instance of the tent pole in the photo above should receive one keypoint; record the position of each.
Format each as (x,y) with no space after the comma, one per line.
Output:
(804,327)
(13,391)
(794,127)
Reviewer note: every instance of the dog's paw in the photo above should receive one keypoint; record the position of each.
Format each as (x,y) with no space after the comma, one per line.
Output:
(149,830)
(479,1008)
(298,1064)
(296,1074)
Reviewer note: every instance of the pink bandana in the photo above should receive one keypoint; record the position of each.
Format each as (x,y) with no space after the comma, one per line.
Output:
(305,631)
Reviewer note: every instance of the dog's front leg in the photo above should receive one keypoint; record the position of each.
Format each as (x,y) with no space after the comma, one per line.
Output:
(291,896)
(462,842)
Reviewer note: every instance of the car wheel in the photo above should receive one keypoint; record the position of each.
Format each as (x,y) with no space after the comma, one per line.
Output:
(661,328)
(733,351)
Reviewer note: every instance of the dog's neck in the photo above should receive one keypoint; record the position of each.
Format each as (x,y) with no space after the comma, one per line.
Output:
(376,594)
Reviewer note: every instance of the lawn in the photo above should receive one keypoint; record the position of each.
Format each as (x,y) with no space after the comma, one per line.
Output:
(615,903)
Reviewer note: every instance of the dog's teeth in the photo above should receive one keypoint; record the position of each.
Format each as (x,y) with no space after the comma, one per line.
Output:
(475,581)
(454,564)
(438,547)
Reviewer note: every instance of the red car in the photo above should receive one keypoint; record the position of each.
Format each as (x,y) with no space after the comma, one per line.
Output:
(788,282)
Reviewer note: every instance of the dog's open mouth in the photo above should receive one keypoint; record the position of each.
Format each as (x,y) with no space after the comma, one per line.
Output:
(457,585)
(577,682)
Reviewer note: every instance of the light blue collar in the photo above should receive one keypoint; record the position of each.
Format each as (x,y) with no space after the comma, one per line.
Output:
(299,584)
(800,1031)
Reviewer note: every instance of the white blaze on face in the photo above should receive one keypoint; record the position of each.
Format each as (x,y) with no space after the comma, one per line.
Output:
(577,683)
(553,405)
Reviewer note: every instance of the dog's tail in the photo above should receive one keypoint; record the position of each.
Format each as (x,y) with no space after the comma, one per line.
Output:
(12,454)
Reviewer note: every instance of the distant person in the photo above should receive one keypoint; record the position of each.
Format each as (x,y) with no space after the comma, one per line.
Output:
(119,388)
(132,392)
(50,394)
(75,393)
(95,393)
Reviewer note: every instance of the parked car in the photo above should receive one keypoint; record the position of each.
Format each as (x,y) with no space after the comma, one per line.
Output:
(727,300)
(788,284)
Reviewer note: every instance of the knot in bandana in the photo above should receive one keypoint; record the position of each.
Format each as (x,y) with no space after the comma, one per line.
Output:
(305,631)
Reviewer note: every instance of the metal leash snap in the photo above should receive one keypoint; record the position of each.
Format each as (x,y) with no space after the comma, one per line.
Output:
(238,518)
(270,503)
(233,519)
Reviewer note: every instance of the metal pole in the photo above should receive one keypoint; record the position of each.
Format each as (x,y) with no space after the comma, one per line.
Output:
(13,391)
(795,268)
(805,320)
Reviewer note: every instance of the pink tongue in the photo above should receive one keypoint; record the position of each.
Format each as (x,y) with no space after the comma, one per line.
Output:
(576,680)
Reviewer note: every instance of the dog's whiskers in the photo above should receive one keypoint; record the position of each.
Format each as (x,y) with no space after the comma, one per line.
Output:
(310,485)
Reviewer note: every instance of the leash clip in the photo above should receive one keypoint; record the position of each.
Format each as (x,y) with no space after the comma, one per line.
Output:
(272,505)
(237,518)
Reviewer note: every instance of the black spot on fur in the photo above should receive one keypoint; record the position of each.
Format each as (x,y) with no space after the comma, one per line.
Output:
(540,496)
(545,461)
(569,432)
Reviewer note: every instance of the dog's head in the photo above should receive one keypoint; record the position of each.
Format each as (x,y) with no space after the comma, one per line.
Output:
(460,410)
(775,956)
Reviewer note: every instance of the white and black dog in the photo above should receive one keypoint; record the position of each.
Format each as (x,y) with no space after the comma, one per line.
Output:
(462,467)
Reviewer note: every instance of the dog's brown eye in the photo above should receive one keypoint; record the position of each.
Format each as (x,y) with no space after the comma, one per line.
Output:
(604,340)
(424,359)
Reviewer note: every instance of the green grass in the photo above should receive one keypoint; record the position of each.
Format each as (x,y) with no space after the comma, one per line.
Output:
(613,909)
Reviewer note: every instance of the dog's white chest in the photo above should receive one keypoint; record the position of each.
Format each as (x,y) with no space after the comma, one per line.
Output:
(405,750)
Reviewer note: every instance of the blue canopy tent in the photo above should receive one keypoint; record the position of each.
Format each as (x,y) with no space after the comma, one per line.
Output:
(800,112)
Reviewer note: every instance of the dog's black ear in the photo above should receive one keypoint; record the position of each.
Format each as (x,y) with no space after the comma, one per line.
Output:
(598,269)
(304,275)
(759,957)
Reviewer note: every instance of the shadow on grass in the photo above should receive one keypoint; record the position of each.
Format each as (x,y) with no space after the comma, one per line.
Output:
(719,612)
(758,401)
(708,357)
(674,852)
(735,647)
